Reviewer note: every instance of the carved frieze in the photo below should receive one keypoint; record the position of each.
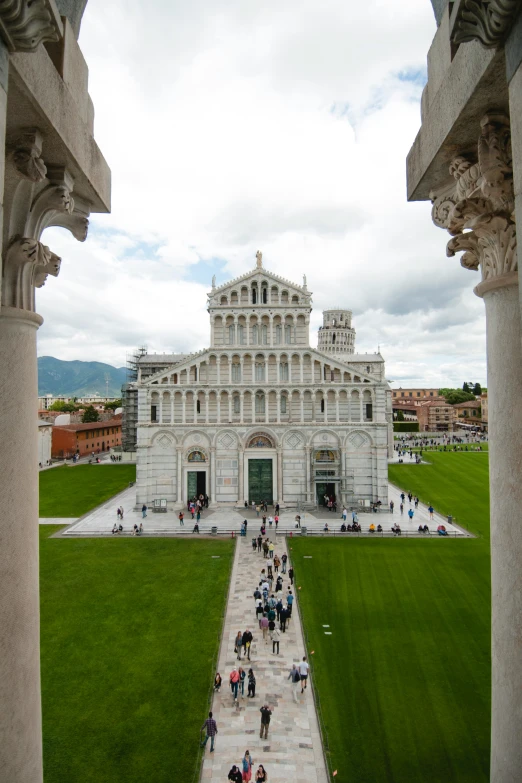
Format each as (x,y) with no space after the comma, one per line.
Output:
(487,21)
(26,265)
(25,24)
(476,207)
(27,156)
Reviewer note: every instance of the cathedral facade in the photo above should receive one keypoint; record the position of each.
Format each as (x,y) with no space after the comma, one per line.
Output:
(261,415)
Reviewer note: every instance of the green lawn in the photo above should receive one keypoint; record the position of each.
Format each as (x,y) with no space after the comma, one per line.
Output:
(404,679)
(72,491)
(129,633)
(455,483)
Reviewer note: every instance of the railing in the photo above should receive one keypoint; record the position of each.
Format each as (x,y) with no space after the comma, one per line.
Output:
(289,532)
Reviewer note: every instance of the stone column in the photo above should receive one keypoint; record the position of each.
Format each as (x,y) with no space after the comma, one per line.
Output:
(213,474)
(183,407)
(271,330)
(301,369)
(160,408)
(178,477)
(343,476)
(301,400)
(241,403)
(253,396)
(241,481)
(212,319)
(218,370)
(477,209)
(230,370)
(172,393)
(21,724)
(218,405)
(278,404)
(267,408)
(206,407)
(337,406)
(229,406)
(195,406)
(279,475)
(307,473)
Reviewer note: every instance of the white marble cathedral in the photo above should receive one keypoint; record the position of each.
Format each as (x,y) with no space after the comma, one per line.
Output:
(261,414)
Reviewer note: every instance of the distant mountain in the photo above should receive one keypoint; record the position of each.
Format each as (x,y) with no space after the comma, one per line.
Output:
(78,379)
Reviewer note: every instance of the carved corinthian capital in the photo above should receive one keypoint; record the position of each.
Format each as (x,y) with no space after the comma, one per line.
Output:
(25,24)
(27,264)
(487,21)
(476,206)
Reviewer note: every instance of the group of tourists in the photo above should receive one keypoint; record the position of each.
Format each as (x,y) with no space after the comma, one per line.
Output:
(273,612)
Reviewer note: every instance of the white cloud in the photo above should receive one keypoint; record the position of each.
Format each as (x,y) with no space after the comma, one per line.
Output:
(233,126)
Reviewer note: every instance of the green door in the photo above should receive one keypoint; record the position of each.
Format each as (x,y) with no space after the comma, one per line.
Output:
(321,492)
(260,480)
(192,484)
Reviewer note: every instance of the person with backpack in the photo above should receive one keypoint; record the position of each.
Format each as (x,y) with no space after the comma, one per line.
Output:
(247,765)
(295,677)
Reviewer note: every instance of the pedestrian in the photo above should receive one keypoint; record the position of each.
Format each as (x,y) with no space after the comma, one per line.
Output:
(283,614)
(237,644)
(275,641)
(284,558)
(143,511)
(410,514)
(276,520)
(298,521)
(295,678)
(290,599)
(401,507)
(261,774)
(431,510)
(259,543)
(263,624)
(217,682)
(266,713)
(247,641)
(258,509)
(270,520)
(234,682)
(416,502)
(277,563)
(392,506)
(181,517)
(242,677)
(247,765)
(254,544)
(210,731)
(235,773)
(291,574)
(270,550)
(303,672)
(198,516)
(195,529)
(265,549)
(251,684)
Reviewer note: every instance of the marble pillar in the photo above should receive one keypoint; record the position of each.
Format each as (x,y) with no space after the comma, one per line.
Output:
(21,730)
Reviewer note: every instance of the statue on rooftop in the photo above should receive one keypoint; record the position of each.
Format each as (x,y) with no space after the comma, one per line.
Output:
(259,259)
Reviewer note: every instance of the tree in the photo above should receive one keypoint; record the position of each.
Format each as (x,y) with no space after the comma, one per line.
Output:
(477,390)
(90,414)
(456,395)
(63,407)
(466,387)
(111,406)
(400,416)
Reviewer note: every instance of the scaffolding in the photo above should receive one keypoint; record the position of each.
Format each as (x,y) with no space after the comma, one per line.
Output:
(129,401)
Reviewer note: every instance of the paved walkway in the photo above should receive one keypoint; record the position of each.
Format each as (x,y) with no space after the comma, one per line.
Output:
(293,751)
(100,521)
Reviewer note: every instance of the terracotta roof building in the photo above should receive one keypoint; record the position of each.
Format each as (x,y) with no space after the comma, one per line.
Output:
(84,439)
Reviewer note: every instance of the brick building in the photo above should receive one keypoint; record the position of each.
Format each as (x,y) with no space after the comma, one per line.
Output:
(415,394)
(435,416)
(85,439)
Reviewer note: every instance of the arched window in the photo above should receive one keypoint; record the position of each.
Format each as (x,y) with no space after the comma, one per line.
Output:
(284,371)
(260,402)
(255,334)
(278,334)
(241,334)
(322,405)
(254,295)
(265,295)
(260,371)
(283,403)
(264,335)
(198,407)
(195,373)
(236,373)
(288,334)
(231,334)
(333,339)
(237,404)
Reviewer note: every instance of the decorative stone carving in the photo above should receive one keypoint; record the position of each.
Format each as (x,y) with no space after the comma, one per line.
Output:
(477,207)
(487,21)
(25,24)
(259,259)
(27,264)
(51,202)
(27,156)
(294,440)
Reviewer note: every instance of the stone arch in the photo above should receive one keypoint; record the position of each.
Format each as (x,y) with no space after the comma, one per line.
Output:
(226,439)
(293,439)
(358,439)
(196,438)
(196,455)
(261,430)
(164,438)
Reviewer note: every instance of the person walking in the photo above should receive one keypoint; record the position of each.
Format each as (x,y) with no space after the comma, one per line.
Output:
(266,714)
(198,516)
(271,550)
(210,731)
(410,514)
(291,574)
(251,684)
(247,765)
(234,682)
(303,673)
(295,678)
(237,644)
(143,511)
(241,683)
(259,543)
(181,516)
(284,559)
(247,642)
(275,641)
(392,506)
(263,624)
(431,510)
(283,614)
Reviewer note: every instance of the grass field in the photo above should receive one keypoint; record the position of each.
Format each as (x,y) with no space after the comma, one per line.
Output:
(72,491)
(404,679)
(129,631)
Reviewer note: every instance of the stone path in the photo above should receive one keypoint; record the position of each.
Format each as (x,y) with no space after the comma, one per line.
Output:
(293,751)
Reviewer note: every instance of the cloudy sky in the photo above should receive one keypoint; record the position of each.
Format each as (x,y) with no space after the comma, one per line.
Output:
(233,125)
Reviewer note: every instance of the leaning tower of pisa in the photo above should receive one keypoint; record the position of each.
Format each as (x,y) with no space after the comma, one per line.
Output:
(336,335)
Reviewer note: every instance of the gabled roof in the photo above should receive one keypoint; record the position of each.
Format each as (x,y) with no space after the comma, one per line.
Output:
(254,273)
